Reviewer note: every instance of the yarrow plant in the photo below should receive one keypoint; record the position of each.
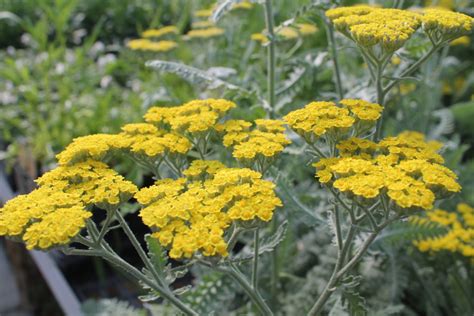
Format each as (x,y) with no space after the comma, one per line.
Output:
(200,204)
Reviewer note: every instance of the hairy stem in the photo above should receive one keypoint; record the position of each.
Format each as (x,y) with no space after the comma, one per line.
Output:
(341,268)
(410,70)
(256,244)
(271,58)
(139,249)
(251,292)
(332,47)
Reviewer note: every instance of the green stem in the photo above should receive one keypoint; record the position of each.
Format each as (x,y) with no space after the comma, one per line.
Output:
(328,289)
(332,47)
(256,244)
(364,247)
(254,295)
(340,269)
(380,100)
(108,220)
(125,266)
(139,249)
(271,63)
(412,68)
(337,224)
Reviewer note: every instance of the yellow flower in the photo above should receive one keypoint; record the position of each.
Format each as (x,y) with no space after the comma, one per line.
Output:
(306,28)
(147,45)
(321,118)
(202,24)
(369,26)
(459,226)
(205,33)
(244,5)
(94,147)
(197,116)
(446,25)
(287,32)
(363,110)
(463,40)
(56,212)
(259,37)
(264,142)
(405,168)
(155,33)
(190,214)
(204,13)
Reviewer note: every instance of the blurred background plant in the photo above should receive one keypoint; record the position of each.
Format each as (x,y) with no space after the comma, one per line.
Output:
(67,68)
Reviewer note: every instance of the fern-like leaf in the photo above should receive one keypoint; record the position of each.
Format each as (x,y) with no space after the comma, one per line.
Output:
(194,75)
(106,307)
(266,245)
(351,296)
(408,231)
(222,7)
(212,291)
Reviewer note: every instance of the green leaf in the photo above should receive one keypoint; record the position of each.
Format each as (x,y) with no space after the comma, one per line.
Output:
(464,116)
(222,7)
(212,291)
(266,245)
(194,75)
(350,295)
(107,307)
(157,255)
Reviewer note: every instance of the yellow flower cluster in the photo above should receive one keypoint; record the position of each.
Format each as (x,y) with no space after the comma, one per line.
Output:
(205,33)
(446,25)
(203,13)
(197,116)
(244,5)
(155,33)
(369,26)
(56,212)
(140,139)
(202,24)
(191,214)
(265,141)
(148,140)
(147,45)
(288,32)
(459,237)
(319,118)
(405,168)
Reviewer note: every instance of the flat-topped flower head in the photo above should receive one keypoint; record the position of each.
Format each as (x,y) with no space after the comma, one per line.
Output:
(370,26)
(409,173)
(94,147)
(202,25)
(243,5)
(197,116)
(446,25)
(411,145)
(320,118)
(459,227)
(327,118)
(94,182)
(190,215)
(306,29)
(144,44)
(147,140)
(266,140)
(155,33)
(363,110)
(56,212)
(204,33)
(203,168)
(203,13)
